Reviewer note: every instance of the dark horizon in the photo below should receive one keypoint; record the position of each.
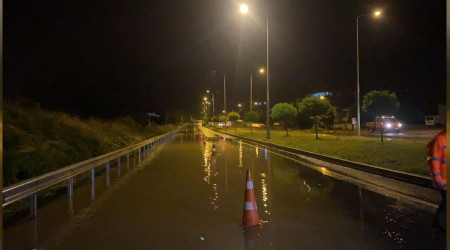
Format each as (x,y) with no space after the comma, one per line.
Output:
(106,59)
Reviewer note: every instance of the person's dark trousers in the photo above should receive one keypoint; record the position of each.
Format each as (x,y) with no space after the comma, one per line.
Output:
(440,218)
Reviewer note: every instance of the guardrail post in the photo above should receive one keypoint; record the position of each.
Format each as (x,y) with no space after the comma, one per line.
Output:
(70,186)
(107,177)
(107,174)
(33,204)
(128,161)
(71,205)
(139,155)
(118,161)
(92,183)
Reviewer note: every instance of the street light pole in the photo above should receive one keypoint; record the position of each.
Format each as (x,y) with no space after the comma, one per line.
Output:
(224,95)
(214,111)
(357,78)
(251,91)
(244,10)
(268,104)
(358,105)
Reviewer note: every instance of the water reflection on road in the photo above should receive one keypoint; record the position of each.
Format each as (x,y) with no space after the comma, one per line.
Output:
(183,197)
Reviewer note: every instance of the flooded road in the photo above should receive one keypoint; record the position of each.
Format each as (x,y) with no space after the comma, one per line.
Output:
(181,197)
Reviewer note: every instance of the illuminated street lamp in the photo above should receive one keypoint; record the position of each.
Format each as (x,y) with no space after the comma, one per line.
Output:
(239,105)
(244,10)
(376,13)
(261,71)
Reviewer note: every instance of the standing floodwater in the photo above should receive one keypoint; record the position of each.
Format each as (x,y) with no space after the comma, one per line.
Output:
(181,197)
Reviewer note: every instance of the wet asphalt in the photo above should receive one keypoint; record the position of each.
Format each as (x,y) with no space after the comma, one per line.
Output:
(182,197)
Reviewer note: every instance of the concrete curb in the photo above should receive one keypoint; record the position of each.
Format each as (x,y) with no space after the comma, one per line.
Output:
(392,174)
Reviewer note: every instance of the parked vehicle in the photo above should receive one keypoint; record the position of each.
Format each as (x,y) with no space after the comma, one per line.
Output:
(389,123)
(222,124)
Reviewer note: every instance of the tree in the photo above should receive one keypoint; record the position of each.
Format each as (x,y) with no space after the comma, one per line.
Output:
(224,119)
(285,114)
(233,116)
(315,107)
(380,103)
(251,116)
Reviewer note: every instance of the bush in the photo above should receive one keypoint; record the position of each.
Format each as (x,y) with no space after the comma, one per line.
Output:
(38,141)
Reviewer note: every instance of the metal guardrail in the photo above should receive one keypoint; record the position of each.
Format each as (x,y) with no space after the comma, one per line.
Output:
(30,187)
(389,173)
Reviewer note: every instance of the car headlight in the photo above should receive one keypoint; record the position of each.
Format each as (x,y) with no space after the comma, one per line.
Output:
(388,125)
(399,125)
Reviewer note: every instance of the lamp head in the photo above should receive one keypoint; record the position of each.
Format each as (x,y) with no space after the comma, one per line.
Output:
(243,8)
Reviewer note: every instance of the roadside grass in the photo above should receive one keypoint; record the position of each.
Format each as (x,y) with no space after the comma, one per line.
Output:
(38,141)
(407,155)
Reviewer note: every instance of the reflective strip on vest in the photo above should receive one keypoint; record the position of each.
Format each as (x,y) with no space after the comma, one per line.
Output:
(434,158)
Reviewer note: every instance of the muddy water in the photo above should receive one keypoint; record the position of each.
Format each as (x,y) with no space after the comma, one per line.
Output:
(181,197)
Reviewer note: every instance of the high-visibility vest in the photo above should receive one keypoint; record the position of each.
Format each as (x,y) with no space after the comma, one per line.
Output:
(437,160)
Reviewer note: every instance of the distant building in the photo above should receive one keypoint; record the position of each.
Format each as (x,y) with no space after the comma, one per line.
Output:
(319,94)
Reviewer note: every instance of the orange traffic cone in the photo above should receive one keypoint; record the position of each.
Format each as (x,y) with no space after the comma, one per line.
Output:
(214,149)
(250,217)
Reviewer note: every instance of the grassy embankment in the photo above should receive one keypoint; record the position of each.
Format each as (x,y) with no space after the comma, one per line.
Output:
(38,141)
(407,155)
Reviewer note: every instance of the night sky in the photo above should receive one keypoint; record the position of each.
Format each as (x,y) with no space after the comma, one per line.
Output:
(109,58)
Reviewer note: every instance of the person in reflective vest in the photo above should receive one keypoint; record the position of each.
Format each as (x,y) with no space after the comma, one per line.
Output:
(437,161)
